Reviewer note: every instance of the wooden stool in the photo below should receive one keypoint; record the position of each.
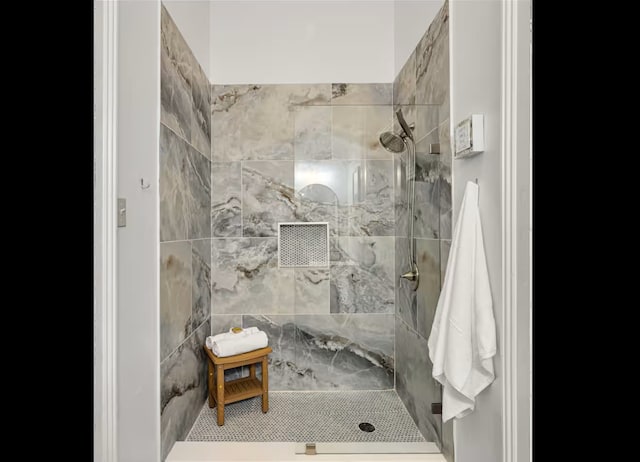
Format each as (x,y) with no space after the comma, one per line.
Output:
(221,392)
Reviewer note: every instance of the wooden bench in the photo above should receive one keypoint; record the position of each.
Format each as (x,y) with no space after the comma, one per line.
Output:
(221,392)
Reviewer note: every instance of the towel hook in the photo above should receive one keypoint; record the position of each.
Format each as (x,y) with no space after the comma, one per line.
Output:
(144,186)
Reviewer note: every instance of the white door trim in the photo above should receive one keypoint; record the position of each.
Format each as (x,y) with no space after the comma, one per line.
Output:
(515,158)
(105,223)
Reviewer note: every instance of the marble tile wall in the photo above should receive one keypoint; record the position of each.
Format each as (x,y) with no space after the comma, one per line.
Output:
(305,153)
(421,90)
(185,233)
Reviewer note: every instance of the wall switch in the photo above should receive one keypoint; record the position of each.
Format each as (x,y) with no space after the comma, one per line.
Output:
(122,212)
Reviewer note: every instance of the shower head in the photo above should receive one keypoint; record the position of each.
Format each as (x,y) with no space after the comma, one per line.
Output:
(406,128)
(392,142)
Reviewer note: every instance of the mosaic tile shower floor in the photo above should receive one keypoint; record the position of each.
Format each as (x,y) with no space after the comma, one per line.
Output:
(311,416)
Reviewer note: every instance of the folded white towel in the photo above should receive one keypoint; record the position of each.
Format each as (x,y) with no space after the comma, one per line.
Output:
(463,336)
(230,346)
(214,338)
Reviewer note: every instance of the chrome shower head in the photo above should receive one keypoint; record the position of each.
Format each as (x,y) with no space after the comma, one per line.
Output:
(392,142)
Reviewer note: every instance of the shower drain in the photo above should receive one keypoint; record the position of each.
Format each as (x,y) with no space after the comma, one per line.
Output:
(366,427)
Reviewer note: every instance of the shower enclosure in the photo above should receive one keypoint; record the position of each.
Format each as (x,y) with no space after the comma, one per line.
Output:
(371,162)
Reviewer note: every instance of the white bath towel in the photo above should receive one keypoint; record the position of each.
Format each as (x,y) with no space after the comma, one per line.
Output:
(236,345)
(463,336)
(213,338)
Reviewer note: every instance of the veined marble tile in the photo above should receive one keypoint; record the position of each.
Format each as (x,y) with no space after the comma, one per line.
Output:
(311,290)
(246,279)
(445,181)
(362,271)
(404,85)
(312,132)
(175,78)
(201,281)
(427,120)
(355,197)
(256,122)
(281,332)
(428,261)
(361,93)
(226,199)
(267,196)
(174,186)
(183,388)
(199,195)
(376,214)
(427,189)
(201,119)
(414,383)
(221,323)
(345,352)
(432,62)
(175,295)
(405,296)
(356,131)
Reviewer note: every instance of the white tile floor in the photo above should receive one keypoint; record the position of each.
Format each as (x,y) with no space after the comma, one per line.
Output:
(311,417)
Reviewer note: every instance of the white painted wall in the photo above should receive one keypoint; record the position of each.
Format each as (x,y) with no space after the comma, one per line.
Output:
(301,41)
(411,21)
(192,18)
(138,323)
(475,34)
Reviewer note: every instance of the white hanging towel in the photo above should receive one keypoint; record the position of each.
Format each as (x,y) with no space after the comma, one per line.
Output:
(462,342)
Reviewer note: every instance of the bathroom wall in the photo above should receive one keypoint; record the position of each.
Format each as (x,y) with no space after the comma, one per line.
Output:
(185,231)
(421,90)
(300,153)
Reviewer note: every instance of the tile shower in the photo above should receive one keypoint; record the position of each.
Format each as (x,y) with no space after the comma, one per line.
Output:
(235,160)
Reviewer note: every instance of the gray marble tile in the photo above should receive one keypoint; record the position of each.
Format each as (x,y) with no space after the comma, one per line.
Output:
(427,189)
(361,93)
(427,120)
(175,78)
(405,296)
(362,272)
(201,281)
(175,295)
(267,196)
(447,448)
(256,122)
(432,62)
(311,290)
(428,261)
(201,119)
(174,186)
(376,217)
(246,279)
(226,199)
(355,197)
(221,323)
(414,383)
(183,388)
(312,132)
(356,129)
(404,85)
(198,197)
(345,352)
(445,248)
(281,331)
(445,181)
